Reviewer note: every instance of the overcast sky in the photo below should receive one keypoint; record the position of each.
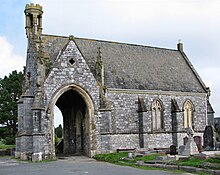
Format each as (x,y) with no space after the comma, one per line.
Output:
(159,23)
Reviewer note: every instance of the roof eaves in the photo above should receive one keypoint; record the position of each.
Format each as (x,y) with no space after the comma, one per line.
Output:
(210,109)
(194,71)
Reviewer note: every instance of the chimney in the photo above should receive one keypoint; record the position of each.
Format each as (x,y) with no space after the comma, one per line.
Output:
(180,46)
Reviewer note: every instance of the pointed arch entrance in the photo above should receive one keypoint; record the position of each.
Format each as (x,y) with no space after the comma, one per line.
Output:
(77,110)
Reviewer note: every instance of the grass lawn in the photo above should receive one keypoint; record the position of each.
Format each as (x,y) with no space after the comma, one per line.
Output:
(196,162)
(119,158)
(3,146)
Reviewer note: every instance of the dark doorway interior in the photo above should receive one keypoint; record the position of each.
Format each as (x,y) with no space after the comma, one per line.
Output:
(75,132)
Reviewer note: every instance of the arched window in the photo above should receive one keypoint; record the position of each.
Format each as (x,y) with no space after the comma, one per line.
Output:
(188,114)
(157,115)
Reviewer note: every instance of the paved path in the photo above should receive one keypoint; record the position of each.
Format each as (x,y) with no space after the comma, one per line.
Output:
(70,166)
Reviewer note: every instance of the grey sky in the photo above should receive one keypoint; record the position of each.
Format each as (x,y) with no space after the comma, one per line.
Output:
(159,23)
(148,22)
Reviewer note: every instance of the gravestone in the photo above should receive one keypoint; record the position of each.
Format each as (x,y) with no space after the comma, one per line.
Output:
(217,129)
(181,149)
(190,147)
(209,138)
(198,142)
(185,140)
(173,150)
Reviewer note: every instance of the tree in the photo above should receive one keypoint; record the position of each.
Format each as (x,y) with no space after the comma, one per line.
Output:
(10,91)
(59,131)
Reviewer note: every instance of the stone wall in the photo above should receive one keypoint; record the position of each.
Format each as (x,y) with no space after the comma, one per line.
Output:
(64,73)
(123,120)
(70,71)
(125,106)
(159,140)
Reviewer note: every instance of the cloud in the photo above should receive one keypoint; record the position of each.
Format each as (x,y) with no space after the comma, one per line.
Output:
(9,61)
(148,22)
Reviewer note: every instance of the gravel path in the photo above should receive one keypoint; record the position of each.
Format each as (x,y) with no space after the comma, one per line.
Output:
(70,166)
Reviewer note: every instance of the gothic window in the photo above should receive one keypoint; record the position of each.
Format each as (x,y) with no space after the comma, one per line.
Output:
(188,114)
(157,115)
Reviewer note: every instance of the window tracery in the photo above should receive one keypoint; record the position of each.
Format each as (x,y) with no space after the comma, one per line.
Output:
(157,115)
(188,114)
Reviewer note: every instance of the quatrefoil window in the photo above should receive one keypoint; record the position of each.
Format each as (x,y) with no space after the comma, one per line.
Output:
(72,61)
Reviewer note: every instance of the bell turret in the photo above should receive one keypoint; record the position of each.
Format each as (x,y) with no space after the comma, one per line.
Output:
(33,15)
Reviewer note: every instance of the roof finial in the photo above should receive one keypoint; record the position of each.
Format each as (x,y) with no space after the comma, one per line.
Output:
(71,37)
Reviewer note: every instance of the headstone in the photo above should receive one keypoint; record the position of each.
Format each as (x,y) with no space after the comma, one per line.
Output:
(198,142)
(173,150)
(217,128)
(172,157)
(161,158)
(181,149)
(209,138)
(130,155)
(218,136)
(140,162)
(185,140)
(190,147)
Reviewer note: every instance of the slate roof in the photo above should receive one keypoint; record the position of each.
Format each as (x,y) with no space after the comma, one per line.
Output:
(209,107)
(129,66)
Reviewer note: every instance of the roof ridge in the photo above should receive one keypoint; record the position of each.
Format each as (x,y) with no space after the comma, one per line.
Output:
(114,42)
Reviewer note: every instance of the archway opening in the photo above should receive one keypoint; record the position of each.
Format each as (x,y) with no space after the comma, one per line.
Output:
(75,124)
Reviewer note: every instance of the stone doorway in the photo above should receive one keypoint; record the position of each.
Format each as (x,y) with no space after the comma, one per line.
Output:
(75,124)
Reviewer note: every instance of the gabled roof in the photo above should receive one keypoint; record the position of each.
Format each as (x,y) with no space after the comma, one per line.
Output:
(129,66)
(209,108)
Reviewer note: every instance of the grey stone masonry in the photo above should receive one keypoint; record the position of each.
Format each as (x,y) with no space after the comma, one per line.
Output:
(111,95)
(125,118)
(64,73)
(125,109)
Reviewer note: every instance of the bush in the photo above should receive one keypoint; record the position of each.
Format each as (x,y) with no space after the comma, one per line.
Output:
(57,140)
(9,141)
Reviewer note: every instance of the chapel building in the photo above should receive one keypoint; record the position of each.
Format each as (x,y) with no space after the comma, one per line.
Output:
(112,95)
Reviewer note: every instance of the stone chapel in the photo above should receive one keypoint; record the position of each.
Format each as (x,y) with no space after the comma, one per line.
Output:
(112,95)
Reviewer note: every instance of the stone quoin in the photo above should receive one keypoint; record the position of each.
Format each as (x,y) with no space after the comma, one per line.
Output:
(112,95)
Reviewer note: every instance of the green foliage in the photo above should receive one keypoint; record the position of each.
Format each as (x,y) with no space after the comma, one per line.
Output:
(196,162)
(148,157)
(191,161)
(10,91)
(112,157)
(118,157)
(57,140)
(3,146)
(59,131)
(9,140)
(215,159)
